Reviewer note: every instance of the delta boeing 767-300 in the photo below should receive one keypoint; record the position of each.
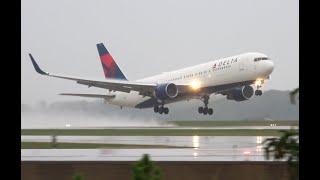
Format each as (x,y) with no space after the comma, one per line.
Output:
(237,77)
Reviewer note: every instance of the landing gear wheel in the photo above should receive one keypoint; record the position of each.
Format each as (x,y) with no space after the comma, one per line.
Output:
(166,110)
(200,110)
(156,109)
(205,110)
(160,110)
(258,92)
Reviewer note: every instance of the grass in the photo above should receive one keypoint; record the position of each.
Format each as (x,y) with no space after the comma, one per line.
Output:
(153,132)
(234,123)
(49,145)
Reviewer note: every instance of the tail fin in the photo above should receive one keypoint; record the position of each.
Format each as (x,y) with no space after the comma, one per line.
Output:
(110,67)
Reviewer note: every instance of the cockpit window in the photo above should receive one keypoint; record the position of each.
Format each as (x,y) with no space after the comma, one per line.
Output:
(260,59)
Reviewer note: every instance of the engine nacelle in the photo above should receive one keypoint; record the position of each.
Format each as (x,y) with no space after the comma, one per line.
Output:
(166,91)
(241,93)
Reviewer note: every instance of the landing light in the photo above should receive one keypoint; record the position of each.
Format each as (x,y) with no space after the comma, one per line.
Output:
(259,82)
(195,85)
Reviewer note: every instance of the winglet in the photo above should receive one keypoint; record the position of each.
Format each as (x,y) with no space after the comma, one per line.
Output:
(36,66)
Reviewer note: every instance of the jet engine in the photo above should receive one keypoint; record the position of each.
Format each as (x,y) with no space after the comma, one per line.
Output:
(166,91)
(240,93)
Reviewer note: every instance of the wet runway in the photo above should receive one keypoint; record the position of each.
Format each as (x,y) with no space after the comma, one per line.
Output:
(183,141)
(203,148)
(177,127)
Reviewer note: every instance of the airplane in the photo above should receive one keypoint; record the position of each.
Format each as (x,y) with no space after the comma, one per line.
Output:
(237,78)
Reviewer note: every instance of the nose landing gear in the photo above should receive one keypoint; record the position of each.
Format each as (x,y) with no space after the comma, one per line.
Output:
(205,110)
(258,83)
(258,92)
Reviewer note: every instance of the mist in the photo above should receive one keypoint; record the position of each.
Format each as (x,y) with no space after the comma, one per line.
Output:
(273,104)
(43,120)
(84,114)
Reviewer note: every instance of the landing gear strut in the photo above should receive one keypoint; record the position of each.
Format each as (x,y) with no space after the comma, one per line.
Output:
(205,110)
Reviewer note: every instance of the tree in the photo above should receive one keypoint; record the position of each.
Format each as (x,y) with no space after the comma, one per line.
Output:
(293,95)
(285,146)
(77,176)
(146,170)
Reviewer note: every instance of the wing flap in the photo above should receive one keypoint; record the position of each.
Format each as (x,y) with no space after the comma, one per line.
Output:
(89,95)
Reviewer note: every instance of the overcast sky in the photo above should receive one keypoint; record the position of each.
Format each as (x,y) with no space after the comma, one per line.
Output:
(148,37)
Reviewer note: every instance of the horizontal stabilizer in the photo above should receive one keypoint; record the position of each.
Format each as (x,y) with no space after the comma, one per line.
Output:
(89,95)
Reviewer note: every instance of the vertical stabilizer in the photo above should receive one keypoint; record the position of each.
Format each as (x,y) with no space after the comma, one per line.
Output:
(110,68)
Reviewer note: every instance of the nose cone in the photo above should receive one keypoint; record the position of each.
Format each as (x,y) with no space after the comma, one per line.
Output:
(269,65)
(265,68)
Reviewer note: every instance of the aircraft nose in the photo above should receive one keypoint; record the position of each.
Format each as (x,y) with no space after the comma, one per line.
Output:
(269,66)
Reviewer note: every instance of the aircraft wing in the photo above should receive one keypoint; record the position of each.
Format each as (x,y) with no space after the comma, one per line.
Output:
(115,85)
(145,89)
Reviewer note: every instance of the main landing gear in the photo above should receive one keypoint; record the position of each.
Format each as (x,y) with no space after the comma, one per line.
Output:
(205,110)
(160,109)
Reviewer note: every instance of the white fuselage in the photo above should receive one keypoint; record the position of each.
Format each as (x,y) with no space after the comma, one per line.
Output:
(222,71)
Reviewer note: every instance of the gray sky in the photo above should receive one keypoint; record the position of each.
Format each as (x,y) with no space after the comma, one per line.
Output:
(148,37)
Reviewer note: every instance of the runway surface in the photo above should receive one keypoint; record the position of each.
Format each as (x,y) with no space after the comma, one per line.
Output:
(204,148)
(183,141)
(228,127)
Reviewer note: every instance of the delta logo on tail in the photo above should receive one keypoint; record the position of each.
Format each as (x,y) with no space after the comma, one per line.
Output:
(110,68)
